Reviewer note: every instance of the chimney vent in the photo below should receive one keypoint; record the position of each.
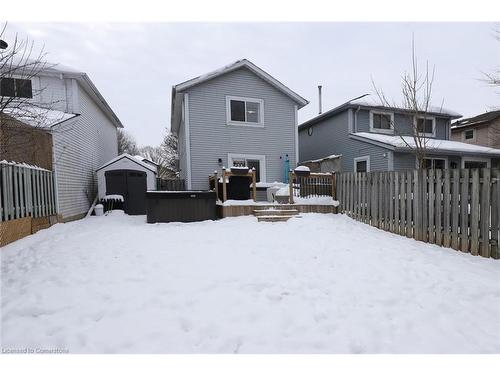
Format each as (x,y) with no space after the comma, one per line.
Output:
(319,93)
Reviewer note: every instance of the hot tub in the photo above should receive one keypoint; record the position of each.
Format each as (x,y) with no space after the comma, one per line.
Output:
(184,206)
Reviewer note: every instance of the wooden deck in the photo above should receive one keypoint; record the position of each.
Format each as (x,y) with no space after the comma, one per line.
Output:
(231,211)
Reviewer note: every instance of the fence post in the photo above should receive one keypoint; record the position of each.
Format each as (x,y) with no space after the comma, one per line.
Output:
(290,187)
(474,213)
(224,187)
(495,213)
(485,214)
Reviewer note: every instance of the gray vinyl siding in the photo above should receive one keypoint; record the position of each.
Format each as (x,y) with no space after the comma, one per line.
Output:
(331,136)
(182,152)
(404,161)
(402,124)
(80,147)
(211,138)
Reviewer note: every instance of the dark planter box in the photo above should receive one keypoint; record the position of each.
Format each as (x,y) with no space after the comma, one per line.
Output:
(180,206)
(239,171)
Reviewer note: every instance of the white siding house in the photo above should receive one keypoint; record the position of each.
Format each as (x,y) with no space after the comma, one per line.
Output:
(84,134)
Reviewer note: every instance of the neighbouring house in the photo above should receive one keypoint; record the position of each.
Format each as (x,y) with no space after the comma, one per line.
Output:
(481,130)
(24,143)
(83,128)
(235,116)
(330,163)
(372,137)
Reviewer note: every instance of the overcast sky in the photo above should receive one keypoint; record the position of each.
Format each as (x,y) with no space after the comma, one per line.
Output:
(135,65)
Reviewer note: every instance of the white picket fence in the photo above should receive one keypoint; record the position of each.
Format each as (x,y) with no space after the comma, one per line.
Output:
(26,191)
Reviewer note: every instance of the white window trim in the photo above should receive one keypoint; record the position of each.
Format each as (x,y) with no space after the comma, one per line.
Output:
(260,158)
(188,141)
(362,158)
(259,124)
(431,135)
(383,131)
(476,158)
(445,158)
(473,139)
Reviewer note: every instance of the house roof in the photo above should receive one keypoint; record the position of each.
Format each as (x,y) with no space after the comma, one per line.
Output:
(131,158)
(243,63)
(59,70)
(481,119)
(38,117)
(398,143)
(369,102)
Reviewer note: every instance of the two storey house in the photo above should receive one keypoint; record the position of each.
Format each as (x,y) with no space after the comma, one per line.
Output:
(372,137)
(65,103)
(235,116)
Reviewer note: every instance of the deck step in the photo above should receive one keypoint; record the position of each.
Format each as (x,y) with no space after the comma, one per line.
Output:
(276,212)
(276,218)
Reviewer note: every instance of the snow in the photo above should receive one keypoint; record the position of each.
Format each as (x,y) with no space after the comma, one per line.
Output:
(303,168)
(132,158)
(329,157)
(374,101)
(23,165)
(283,192)
(269,184)
(323,200)
(38,117)
(431,144)
(244,202)
(110,197)
(322,283)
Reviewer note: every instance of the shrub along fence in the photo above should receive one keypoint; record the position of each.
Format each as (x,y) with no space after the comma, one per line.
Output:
(27,201)
(457,208)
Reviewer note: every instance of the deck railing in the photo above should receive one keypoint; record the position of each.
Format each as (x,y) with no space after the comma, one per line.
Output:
(312,185)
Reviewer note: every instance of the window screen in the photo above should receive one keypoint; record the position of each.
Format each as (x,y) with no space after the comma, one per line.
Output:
(425,125)
(361,166)
(237,110)
(381,121)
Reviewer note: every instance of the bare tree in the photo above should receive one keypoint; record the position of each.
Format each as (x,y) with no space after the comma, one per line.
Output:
(416,89)
(164,155)
(126,143)
(170,149)
(493,78)
(24,111)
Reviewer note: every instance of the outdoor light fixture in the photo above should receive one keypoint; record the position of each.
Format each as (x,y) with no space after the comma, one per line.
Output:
(3,44)
(219,161)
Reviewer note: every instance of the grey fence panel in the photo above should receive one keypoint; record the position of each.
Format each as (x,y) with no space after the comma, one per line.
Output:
(25,191)
(452,208)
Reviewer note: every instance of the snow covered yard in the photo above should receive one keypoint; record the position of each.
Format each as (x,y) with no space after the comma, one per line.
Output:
(318,284)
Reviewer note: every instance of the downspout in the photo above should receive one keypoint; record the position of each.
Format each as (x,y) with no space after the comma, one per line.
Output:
(356,119)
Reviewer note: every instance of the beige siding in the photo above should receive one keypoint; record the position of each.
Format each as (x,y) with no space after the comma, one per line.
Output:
(486,135)
(80,147)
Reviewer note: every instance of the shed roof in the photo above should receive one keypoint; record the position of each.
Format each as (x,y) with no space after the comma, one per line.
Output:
(131,158)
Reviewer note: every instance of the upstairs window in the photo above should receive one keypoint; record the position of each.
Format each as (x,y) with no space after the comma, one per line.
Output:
(16,87)
(244,111)
(382,122)
(469,135)
(426,126)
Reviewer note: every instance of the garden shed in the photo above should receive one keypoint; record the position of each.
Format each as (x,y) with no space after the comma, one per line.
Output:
(129,177)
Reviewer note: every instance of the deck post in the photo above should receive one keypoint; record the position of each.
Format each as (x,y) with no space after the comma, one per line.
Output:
(216,186)
(224,187)
(290,186)
(254,185)
(334,185)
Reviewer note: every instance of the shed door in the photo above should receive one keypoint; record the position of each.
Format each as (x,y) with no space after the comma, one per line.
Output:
(132,186)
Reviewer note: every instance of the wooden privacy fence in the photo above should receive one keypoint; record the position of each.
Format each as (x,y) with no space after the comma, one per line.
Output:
(457,208)
(312,185)
(26,191)
(170,184)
